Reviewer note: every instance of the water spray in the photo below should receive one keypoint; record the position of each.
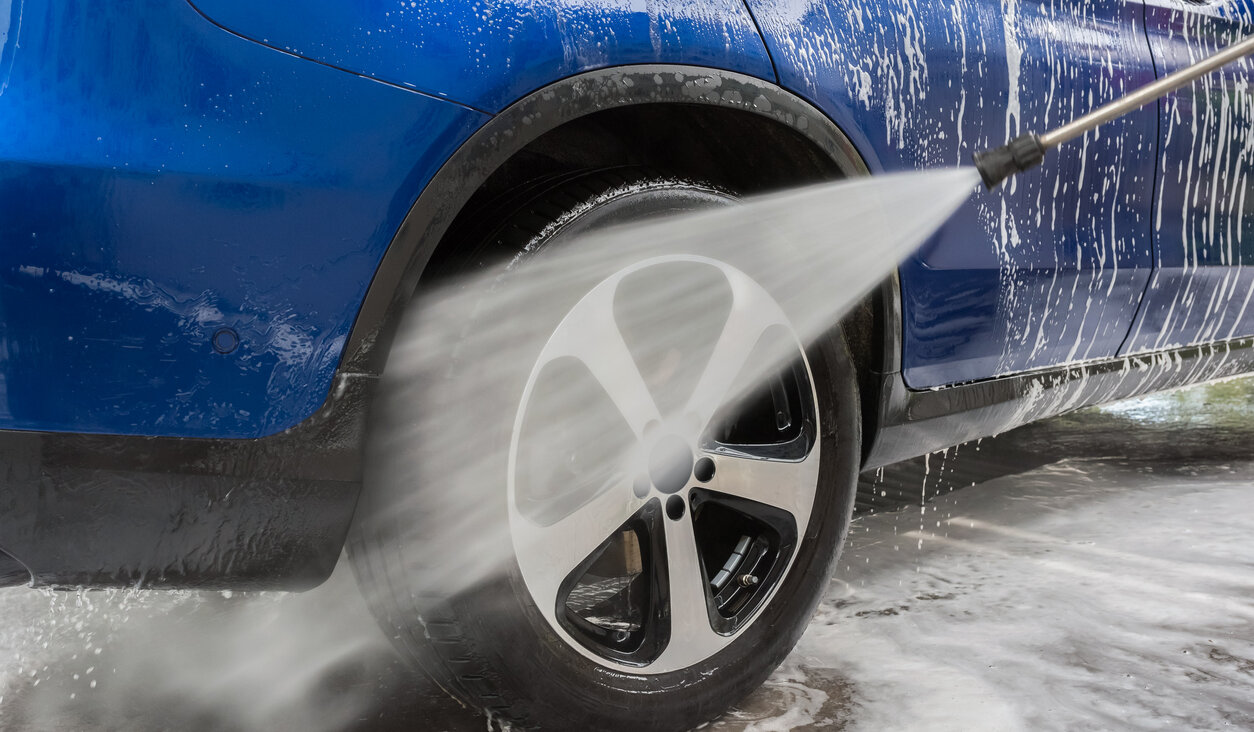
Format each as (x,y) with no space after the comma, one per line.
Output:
(1027,151)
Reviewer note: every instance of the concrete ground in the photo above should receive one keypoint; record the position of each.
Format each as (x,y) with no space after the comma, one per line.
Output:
(1111,585)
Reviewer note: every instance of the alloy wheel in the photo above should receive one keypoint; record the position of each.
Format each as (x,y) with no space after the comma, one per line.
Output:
(663,464)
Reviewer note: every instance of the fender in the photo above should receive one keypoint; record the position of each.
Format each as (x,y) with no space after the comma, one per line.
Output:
(529,118)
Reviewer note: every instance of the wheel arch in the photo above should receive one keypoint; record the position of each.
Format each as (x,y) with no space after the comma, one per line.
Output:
(720,126)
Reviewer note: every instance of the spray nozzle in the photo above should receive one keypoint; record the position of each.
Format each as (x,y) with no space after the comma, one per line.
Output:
(1016,156)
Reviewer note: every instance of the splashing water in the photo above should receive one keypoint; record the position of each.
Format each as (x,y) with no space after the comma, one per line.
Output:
(816,252)
(798,260)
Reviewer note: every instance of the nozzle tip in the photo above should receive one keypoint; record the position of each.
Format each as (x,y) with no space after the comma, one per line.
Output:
(1016,156)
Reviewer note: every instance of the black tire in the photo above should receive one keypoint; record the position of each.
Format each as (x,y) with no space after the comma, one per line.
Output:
(426,520)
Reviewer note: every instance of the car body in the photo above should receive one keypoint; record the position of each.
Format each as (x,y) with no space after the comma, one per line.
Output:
(176,171)
(214,212)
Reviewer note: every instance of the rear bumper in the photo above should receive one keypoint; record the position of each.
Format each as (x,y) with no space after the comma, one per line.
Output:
(116,510)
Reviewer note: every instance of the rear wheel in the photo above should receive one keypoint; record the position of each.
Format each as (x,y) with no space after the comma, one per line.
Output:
(600,526)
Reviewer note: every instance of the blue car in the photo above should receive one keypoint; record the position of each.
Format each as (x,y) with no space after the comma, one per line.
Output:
(225,227)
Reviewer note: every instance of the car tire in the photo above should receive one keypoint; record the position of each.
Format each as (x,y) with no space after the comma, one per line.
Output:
(440,544)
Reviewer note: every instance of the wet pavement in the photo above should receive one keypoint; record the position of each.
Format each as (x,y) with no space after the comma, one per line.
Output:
(1098,574)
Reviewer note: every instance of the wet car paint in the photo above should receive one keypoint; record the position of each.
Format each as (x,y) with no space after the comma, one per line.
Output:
(1203,237)
(163,181)
(487,55)
(170,186)
(1048,269)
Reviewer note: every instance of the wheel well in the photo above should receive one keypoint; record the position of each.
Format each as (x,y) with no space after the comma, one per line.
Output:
(743,151)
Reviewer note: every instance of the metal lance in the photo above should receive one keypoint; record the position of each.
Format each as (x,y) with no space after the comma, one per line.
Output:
(1027,151)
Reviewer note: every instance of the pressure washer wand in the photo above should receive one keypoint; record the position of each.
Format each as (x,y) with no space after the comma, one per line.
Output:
(1027,151)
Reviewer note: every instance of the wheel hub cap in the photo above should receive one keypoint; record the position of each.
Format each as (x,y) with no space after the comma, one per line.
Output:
(670,464)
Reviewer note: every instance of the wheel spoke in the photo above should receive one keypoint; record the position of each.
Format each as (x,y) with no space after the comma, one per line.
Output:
(590,334)
(787,485)
(692,637)
(549,553)
(727,371)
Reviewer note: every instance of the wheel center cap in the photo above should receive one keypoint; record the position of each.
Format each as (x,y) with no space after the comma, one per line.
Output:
(670,464)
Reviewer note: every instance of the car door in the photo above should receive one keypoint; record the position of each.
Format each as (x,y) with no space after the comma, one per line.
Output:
(1048,269)
(1203,218)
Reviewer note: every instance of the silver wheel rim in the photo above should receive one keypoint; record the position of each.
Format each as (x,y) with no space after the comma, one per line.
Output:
(771,486)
